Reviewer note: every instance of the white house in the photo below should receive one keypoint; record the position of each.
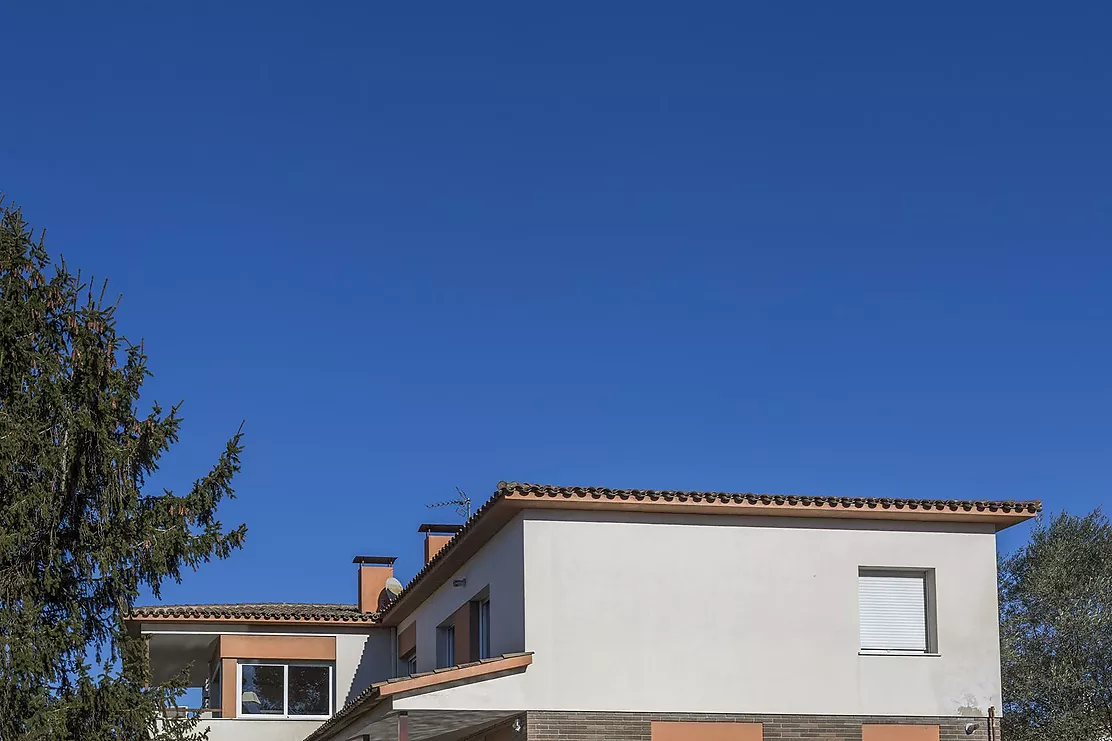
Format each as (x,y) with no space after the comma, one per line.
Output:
(584,613)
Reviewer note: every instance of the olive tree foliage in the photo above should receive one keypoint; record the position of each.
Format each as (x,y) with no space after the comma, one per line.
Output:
(80,531)
(1056,632)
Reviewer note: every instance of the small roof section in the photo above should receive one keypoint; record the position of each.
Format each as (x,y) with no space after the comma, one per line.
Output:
(254,612)
(368,699)
(377,560)
(440,529)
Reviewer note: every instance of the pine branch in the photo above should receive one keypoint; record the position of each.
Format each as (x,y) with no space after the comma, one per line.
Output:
(80,535)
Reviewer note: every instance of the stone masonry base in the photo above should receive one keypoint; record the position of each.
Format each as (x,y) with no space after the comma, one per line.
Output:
(598,726)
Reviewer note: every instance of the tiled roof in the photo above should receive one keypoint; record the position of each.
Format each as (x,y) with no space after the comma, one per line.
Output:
(542,491)
(262,611)
(366,699)
(523,494)
(791,503)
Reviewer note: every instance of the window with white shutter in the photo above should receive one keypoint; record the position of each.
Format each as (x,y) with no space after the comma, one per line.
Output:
(895,610)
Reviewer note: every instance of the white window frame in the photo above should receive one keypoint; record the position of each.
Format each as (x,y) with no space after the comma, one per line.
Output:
(285,690)
(930,613)
(484,628)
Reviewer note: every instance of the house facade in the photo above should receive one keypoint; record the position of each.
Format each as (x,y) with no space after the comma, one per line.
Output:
(587,613)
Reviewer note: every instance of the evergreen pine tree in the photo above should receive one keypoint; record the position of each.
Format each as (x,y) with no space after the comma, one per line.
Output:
(80,533)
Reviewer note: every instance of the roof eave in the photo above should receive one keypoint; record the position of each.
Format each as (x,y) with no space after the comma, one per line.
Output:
(381,693)
(912,512)
(134,620)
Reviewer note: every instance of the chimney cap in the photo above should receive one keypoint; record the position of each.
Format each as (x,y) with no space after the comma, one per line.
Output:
(376,560)
(445,529)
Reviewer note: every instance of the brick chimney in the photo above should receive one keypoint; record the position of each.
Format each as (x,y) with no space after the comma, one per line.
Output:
(373,573)
(436,537)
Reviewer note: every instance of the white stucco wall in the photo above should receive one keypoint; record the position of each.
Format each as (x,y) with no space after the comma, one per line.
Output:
(742,614)
(638,612)
(231,729)
(362,660)
(497,566)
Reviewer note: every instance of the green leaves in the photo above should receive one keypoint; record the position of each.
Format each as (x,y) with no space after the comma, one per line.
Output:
(79,536)
(1056,631)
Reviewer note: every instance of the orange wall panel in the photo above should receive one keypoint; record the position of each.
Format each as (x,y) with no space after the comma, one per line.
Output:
(288,648)
(466,648)
(407,640)
(886,732)
(229,703)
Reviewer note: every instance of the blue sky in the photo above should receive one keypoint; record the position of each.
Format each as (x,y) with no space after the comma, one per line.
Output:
(842,249)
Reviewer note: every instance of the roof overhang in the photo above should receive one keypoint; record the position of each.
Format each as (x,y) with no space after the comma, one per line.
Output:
(172,653)
(142,622)
(510,499)
(373,714)
(259,614)
(429,527)
(426,725)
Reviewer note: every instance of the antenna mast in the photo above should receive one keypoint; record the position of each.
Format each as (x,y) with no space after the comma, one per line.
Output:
(462,503)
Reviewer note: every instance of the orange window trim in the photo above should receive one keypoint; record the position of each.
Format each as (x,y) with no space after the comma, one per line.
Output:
(706,731)
(286,648)
(466,628)
(407,640)
(893,732)
(229,702)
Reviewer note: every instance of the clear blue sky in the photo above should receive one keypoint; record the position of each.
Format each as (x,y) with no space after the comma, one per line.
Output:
(828,248)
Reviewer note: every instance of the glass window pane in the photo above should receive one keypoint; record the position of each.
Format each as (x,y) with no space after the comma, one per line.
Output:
(310,690)
(263,689)
(484,629)
(212,692)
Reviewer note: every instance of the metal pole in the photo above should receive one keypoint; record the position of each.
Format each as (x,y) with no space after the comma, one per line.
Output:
(403,726)
(992,724)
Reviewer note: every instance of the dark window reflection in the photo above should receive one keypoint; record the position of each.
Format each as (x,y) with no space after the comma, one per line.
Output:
(262,690)
(309,690)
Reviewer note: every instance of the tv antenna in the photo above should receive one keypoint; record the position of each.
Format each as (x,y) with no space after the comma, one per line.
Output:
(462,503)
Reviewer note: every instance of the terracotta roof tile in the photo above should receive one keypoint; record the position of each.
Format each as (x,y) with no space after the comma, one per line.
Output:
(594,492)
(262,611)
